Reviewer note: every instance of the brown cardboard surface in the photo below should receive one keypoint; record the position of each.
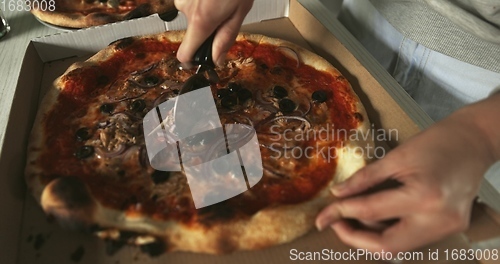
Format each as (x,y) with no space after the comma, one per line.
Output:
(40,241)
(12,157)
(382,109)
(484,224)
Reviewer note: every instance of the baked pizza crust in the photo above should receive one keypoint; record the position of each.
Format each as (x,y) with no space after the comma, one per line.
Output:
(77,19)
(70,202)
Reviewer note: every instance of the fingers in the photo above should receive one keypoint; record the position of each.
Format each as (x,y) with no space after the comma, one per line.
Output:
(196,33)
(380,206)
(204,18)
(225,37)
(367,177)
(200,27)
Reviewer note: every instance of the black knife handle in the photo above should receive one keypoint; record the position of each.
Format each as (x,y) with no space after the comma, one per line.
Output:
(203,55)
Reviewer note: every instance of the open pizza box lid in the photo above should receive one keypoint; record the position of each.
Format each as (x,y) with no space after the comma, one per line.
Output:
(27,236)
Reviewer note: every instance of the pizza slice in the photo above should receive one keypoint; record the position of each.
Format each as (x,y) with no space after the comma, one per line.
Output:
(88,13)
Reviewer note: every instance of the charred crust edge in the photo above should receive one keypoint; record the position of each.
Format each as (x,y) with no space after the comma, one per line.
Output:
(122,43)
(141,11)
(68,200)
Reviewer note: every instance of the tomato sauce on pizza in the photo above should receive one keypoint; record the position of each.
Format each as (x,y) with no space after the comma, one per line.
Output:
(90,131)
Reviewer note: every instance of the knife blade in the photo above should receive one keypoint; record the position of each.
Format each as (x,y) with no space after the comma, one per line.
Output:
(205,73)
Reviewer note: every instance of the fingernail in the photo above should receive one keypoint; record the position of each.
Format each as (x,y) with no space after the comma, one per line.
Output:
(337,189)
(186,66)
(323,221)
(221,61)
(320,225)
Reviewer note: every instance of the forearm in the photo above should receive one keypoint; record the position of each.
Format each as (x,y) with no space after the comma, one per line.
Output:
(484,116)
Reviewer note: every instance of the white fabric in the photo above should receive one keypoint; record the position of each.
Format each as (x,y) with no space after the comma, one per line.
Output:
(451,27)
(440,84)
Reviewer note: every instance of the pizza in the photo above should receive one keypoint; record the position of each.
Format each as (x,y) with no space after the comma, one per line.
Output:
(88,13)
(89,168)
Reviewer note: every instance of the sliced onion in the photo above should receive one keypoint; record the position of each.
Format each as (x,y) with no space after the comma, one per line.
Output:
(265,146)
(128,98)
(149,68)
(143,157)
(303,114)
(308,110)
(290,53)
(274,174)
(161,99)
(104,124)
(171,85)
(143,86)
(261,99)
(297,118)
(229,111)
(126,115)
(250,123)
(270,108)
(130,151)
(103,153)
(275,147)
(264,122)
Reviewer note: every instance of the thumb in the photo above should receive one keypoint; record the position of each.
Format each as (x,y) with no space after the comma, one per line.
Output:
(365,178)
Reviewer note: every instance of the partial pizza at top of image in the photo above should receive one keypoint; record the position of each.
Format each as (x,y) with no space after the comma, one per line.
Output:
(90,165)
(89,13)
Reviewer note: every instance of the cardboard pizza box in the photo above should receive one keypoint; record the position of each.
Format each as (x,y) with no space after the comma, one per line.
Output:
(28,237)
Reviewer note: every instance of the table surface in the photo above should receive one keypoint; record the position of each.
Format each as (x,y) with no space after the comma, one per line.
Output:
(24,27)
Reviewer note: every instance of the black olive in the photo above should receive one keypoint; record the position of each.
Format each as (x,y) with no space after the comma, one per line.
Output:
(153,249)
(138,105)
(82,134)
(221,93)
(122,43)
(160,176)
(244,94)
(107,108)
(287,106)
(151,80)
(84,152)
(170,15)
(280,92)
(234,87)
(229,101)
(320,96)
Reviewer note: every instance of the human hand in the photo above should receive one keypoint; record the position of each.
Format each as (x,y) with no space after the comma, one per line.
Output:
(440,171)
(206,16)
